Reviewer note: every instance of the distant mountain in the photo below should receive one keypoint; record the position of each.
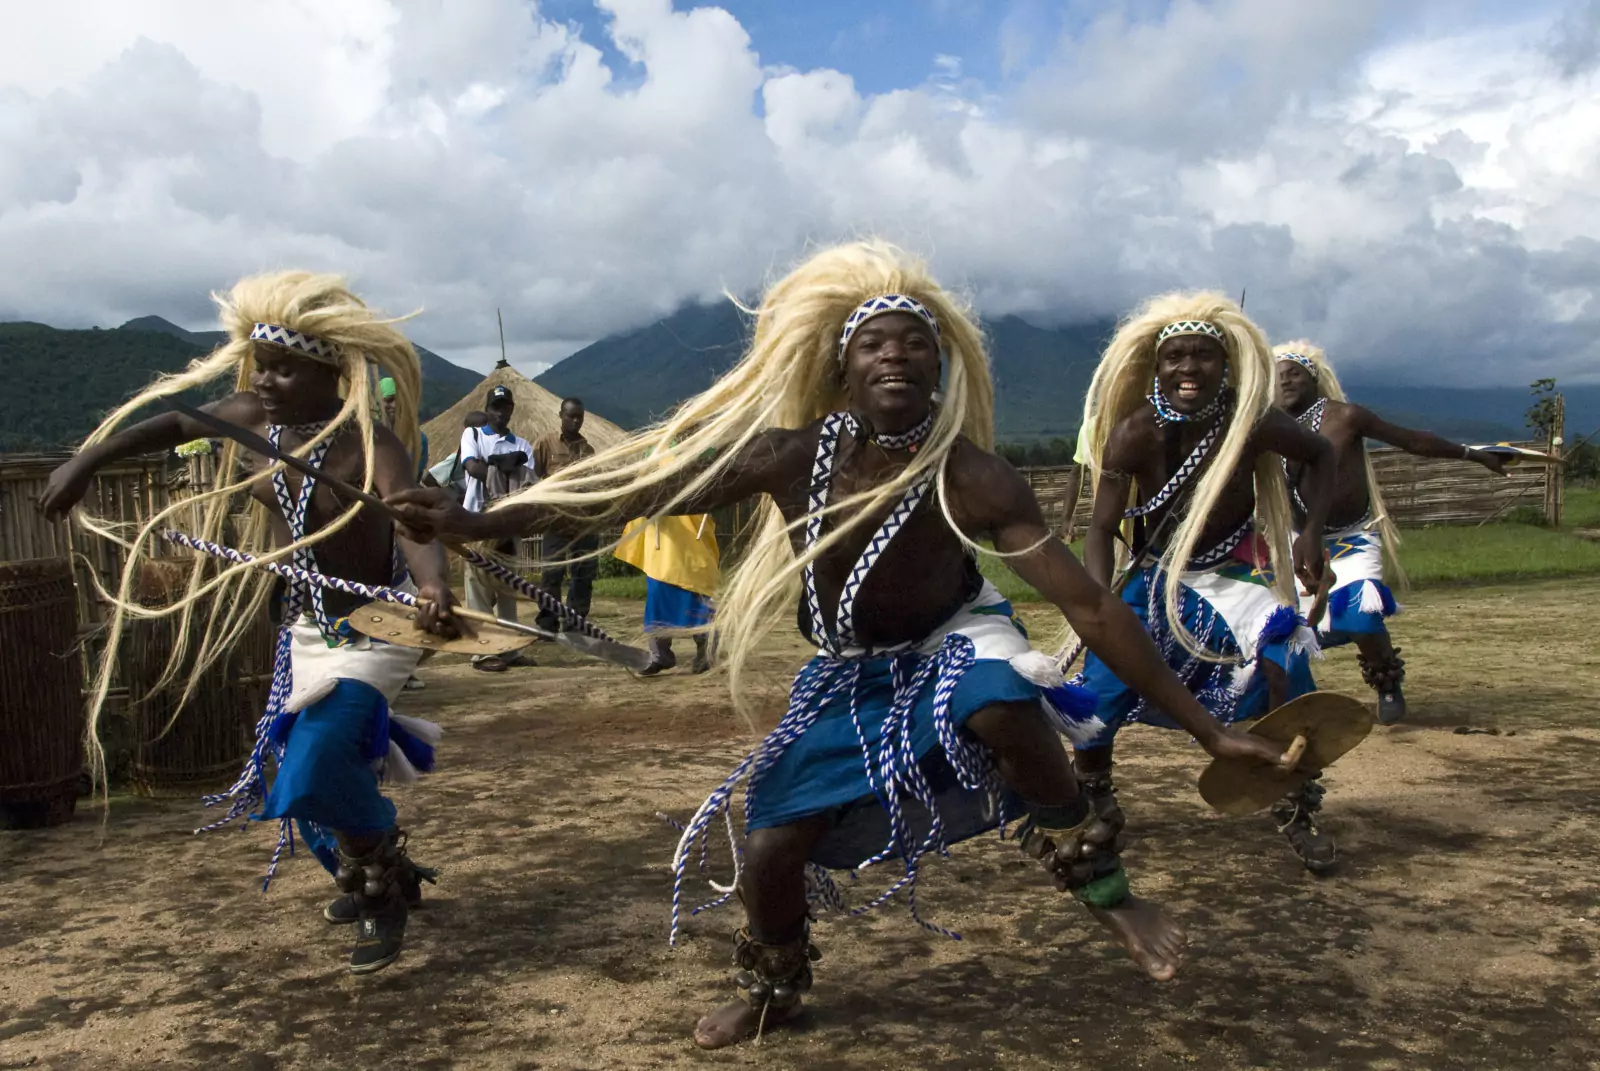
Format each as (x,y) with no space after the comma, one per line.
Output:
(443,383)
(204,340)
(1041,375)
(59,384)
(1476,414)
(638,376)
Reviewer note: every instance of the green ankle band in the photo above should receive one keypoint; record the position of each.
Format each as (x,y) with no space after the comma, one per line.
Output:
(1108,890)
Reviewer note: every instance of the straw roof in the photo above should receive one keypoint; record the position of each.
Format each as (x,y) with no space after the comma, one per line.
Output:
(538,413)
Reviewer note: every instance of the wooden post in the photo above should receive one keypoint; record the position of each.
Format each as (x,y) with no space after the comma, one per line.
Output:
(1555,483)
(1069,498)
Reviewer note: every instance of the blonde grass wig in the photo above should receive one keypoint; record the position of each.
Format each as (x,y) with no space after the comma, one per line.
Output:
(790,376)
(364,347)
(1329,388)
(1121,384)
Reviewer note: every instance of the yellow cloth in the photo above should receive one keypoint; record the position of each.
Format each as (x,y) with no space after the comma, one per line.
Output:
(668,551)
(1081,454)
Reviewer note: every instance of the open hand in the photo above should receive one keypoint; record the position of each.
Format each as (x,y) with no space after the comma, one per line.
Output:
(429,513)
(65,488)
(1233,743)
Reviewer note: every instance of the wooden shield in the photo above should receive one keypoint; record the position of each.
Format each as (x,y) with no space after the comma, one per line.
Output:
(1331,724)
(396,624)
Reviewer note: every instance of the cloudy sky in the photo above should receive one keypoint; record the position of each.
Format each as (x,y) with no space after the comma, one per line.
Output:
(1413,183)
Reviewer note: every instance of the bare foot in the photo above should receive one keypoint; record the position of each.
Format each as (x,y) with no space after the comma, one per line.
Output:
(733,1023)
(1155,942)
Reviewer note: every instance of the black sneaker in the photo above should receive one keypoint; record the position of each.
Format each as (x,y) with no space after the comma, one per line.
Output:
(661,657)
(379,935)
(343,911)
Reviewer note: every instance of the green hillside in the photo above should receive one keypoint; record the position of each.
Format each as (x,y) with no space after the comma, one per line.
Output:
(1041,376)
(637,376)
(60,384)
(443,383)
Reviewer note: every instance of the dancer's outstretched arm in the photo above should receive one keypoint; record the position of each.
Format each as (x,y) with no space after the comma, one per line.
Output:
(70,481)
(774,462)
(991,497)
(1422,443)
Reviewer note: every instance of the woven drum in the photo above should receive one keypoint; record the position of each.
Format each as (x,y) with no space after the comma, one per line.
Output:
(41,694)
(203,748)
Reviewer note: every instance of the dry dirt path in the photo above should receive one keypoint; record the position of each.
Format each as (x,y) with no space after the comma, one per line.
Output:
(1461,931)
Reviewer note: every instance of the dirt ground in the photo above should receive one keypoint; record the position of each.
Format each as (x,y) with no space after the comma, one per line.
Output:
(1461,930)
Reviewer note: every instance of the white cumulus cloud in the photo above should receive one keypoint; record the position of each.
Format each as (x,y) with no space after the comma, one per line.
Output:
(1410,195)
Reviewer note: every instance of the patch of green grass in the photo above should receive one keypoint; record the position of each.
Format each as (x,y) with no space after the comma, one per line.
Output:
(620,587)
(1433,557)
(1009,584)
(1581,508)
(1452,555)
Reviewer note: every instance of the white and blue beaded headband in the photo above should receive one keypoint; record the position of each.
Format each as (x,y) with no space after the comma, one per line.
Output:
(877,306)
(289,338)
(1190,327)
(1302,360)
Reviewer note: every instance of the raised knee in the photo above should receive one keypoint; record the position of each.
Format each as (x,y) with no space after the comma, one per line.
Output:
(776,848)
(997,723)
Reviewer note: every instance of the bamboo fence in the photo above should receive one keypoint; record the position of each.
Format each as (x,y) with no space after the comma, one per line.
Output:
(128,491)
(1420,492)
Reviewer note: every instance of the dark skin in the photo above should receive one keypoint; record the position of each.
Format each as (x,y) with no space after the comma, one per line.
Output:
(571,428)
(498,417)
(1347,427)
(892,368)
(1192,370)
(291,389)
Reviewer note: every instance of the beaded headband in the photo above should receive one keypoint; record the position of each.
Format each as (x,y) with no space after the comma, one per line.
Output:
(1190,327)
(877,306)
(1302,360)
(289,338)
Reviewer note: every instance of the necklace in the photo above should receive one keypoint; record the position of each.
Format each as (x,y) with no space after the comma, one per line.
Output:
(1165,414)
(905,440)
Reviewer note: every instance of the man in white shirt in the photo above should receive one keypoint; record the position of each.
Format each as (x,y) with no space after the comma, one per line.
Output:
(496,462)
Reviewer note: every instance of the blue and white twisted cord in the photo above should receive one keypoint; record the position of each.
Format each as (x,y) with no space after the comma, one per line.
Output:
(378,592)
(571,619)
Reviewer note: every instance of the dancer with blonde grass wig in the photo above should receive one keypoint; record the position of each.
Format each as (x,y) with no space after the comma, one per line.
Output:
(304,356)
(1185,447)
(925,718)
(1362,534)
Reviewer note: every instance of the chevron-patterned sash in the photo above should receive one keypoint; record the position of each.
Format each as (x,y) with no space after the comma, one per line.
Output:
(843,634)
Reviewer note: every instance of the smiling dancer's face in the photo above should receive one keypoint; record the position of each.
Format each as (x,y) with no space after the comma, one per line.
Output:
(1192,370)
(891,369)
(293,388)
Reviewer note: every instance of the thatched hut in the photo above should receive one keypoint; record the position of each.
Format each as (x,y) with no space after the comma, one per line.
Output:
(538,414)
